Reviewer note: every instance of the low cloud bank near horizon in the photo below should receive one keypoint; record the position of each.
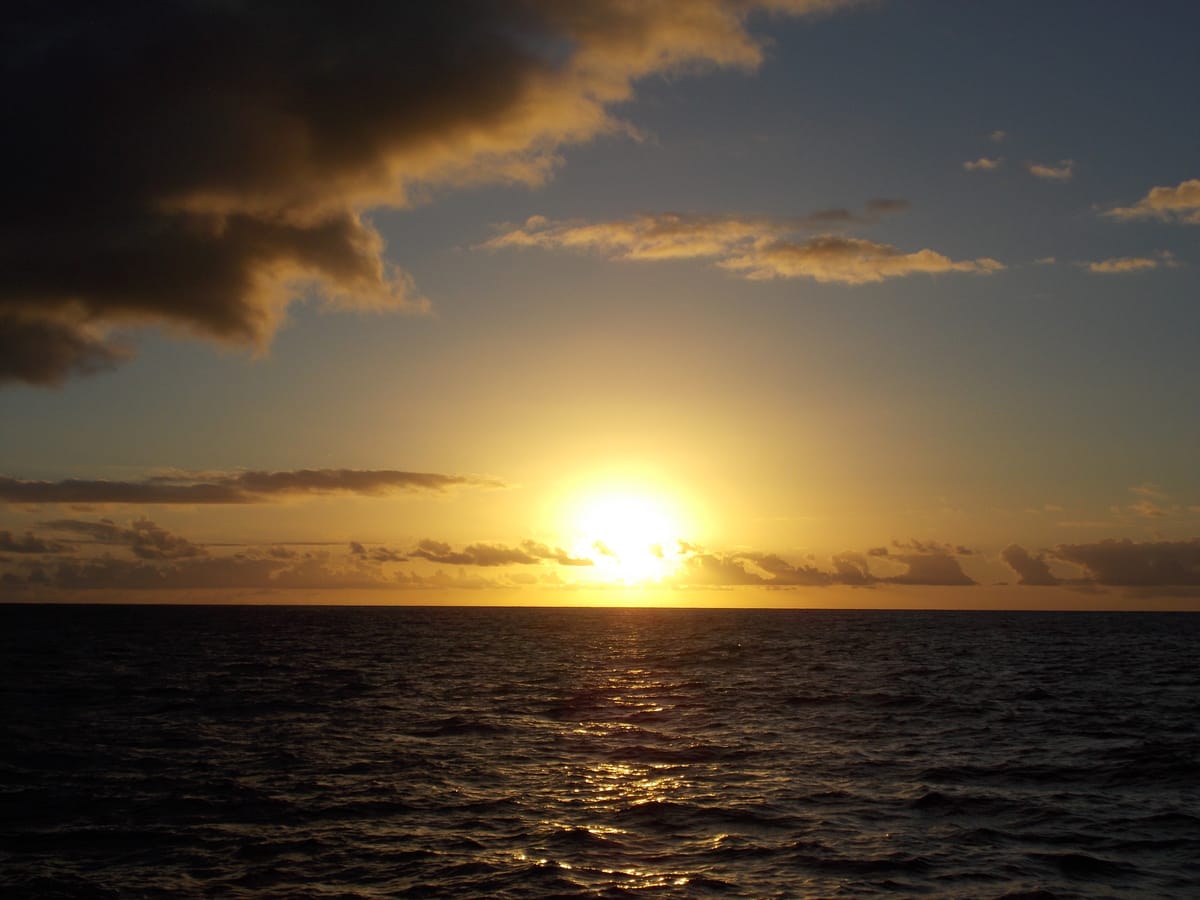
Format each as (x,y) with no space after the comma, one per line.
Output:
(81,554)
(756,248)
(199,165)
(214,488)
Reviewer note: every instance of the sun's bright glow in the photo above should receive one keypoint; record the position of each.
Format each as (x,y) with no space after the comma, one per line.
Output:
(631,537)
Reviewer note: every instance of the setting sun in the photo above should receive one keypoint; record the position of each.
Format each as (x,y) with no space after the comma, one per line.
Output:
(631,537)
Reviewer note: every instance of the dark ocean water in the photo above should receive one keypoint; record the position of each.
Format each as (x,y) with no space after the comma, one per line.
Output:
(366,752)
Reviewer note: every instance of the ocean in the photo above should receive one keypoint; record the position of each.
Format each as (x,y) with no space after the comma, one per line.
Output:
(154,751)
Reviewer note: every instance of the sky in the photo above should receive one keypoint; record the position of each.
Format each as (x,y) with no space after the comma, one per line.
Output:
(708,302)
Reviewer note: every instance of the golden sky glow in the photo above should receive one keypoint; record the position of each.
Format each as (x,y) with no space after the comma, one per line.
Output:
(530,300)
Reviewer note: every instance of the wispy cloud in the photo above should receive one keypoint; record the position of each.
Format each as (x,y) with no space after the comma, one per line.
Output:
(1062,171)
(984,164)
(1124,265)
(1167,204)
(234,487)
(755,248)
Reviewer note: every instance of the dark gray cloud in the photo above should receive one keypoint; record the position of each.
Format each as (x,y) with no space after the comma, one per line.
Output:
(234,487)
(192,163)
(1032,570)
(1127,563)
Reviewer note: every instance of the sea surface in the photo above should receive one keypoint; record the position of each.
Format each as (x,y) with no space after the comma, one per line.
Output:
(376,752)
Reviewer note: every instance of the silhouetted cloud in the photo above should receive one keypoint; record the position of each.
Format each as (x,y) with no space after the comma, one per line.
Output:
(377,554)
(146,539)
(10,543)
(930,569)
(927,562)
(1063,171)
(1132,564)
(852,568)
(912,545)
(234,487)
(1032,570)
(755,248)
(195,164)
(479,554)
(1179,204)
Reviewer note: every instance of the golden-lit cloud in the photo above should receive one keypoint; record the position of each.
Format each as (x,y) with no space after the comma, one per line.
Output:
(1062,171)
(755,248)
(235,487)
(983,164)
(1167,204)
(200,167)
(1123,265)
(847,260)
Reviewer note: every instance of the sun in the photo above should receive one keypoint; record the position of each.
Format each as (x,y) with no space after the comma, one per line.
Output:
(631,537)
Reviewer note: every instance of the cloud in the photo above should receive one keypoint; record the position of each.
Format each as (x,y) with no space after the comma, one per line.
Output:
(933,569)
(913,545)
(1064,171)
(669,235)
(853,568)
(983,164)
(1180,204)
(997,136)
(202,164)
(845,260)
(1149,489)
(376,554)
(45,351)
(930,563)
(755,248)
(10,543)
(1131,564)
(234,487)
(1032,570)
(479,554)
(1124,265)
(146,539)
